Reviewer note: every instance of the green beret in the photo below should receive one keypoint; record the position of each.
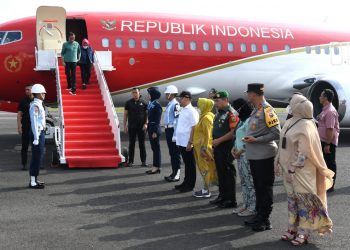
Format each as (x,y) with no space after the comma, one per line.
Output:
(221,94)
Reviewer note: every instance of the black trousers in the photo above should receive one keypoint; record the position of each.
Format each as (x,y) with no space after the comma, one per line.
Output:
(155,145)
(330,159)
(190,168)
(25,144)
(226,171)
(174,151)
(263,178)
(70,70)
(140,134)
(37,155)
(85,70)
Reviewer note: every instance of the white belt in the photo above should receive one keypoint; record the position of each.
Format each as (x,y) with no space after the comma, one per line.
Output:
(169,126)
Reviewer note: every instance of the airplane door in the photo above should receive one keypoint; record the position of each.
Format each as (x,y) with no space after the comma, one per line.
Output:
(50,28)
(336,54)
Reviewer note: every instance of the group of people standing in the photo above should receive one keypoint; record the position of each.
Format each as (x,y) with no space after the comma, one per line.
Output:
(215,134)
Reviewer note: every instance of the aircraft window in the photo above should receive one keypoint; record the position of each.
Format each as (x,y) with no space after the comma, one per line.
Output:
(181,45)
(253,47)
(218,46)
(336,51)
(230,47)
(206,46)
(243,47)
(105,42)
(265,48)
(132,43)
(118,43)
(287,48)
(326,50)
(169,44)
(10,37)
(308,49)
(144,44)
(193,45)
(156,44)
(318,50)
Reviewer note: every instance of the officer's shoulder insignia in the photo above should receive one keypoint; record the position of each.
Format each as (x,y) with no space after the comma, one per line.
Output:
(233,120)
(271,118)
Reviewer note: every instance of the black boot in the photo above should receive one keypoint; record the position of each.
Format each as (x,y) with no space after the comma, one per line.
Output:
(262,225)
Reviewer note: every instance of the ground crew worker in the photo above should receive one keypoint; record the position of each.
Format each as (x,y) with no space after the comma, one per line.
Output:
(225,122)
(261,148)
(38,123)
(23,124)
(170,118)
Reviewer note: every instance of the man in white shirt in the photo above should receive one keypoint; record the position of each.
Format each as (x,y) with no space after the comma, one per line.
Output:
(188,119)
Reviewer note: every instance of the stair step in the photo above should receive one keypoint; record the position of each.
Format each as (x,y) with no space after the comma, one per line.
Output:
(84,103)
(67,96)
(86,121)
(82,115)
(81,144)
(106,161)
(92,151)
(89,136)
(82,128)
(95,108)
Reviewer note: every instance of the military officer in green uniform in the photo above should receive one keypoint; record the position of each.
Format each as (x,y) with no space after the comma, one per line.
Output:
(225,122)
(261,148)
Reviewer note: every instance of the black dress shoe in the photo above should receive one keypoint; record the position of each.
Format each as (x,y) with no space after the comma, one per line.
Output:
(170,178)
(179,186)
(218,200)
(153,171)
(252,221)
(262,225)
(185,189)
(227,204)
(36,186)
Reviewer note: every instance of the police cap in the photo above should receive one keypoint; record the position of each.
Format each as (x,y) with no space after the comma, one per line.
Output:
(256,88)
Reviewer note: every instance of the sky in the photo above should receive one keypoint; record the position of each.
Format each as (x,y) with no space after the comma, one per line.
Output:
(325,12)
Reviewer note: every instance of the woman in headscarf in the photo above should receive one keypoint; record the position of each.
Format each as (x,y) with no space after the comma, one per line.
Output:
(244,110)
(203,149)
(305,174)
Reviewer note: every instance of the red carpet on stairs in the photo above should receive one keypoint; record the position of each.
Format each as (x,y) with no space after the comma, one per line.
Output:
(89,141)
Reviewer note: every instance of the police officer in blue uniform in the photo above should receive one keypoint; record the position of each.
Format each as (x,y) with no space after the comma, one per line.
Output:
(170,118)
(154,129)
(38,124)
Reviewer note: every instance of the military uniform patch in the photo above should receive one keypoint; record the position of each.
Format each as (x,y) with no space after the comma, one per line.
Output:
(271,118)
(233,120)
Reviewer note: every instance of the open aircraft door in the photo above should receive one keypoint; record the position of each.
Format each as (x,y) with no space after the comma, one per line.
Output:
(50,28)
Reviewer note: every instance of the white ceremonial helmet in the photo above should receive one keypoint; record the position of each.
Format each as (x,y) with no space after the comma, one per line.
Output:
(38,89)
(171,89)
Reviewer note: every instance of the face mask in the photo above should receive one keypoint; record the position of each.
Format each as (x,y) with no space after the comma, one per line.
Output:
(289,110)
(85,47)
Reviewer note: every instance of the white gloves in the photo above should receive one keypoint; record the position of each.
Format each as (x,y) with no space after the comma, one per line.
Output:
(173,139)
(36,142)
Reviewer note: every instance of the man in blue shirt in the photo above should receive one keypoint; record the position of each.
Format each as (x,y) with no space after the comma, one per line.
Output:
(170,118)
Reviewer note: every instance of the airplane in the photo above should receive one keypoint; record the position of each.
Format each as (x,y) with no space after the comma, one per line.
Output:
(193,53)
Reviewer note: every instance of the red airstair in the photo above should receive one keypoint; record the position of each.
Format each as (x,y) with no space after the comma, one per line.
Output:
(89,141)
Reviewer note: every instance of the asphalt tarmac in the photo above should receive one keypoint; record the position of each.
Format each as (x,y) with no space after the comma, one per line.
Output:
(126,209)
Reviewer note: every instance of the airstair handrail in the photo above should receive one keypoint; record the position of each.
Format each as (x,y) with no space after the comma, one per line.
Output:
(107,99)
(61,143)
